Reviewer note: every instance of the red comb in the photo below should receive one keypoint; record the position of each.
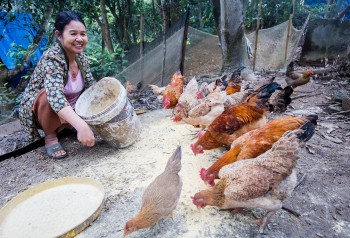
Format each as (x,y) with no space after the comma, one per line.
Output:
(202,173)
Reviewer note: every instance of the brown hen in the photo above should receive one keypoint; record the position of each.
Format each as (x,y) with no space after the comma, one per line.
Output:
(295,79)
(160,197)
(264,182)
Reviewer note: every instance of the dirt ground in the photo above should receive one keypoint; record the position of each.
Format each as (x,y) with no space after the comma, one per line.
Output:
(322,199)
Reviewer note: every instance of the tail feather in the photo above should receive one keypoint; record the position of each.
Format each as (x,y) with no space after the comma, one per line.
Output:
(312,118)
(307,131)
(174,162)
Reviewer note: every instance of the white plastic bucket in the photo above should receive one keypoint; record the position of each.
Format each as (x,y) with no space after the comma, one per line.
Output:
(106,108)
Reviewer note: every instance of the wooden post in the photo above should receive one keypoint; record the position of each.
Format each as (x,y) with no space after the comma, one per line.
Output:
(142,42)
(164,5)
(184,41)
(289,32)
(257,34)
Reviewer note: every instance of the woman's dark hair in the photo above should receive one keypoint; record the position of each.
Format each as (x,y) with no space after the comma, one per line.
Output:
(64,18)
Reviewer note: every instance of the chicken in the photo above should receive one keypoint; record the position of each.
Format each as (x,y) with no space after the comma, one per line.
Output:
(255,143)
(173,91)
(206,110)
(205,89)
(264,182)
(187,100)
(160,197)
(157,90)
(133,91)
(264,91)
(295,79)
(280,101)
(235,121)
(196,109)
(232,87)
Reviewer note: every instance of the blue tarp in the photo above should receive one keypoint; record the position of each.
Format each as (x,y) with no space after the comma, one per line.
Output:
(315,3)
(17,31)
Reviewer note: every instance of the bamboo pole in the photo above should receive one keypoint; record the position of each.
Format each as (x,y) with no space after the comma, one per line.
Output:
(142,41)
(257,34)
(164,5)
(184,41)
(289,32)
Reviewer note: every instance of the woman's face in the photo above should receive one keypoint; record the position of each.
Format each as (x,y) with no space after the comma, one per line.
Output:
(73,38)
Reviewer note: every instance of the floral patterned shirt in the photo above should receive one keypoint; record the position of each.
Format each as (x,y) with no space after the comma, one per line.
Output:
(50,73)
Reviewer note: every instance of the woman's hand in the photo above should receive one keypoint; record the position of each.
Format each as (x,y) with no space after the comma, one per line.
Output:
(85,135)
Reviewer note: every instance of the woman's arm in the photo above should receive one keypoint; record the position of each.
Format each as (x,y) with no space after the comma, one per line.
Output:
(85,134)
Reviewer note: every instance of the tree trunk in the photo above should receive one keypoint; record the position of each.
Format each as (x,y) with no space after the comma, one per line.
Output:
(231,34)
(5,74)
(106,33)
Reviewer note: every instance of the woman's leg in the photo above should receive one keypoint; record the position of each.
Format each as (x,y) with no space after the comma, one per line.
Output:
(48,120)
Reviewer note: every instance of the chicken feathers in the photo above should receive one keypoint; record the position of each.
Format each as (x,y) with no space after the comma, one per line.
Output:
(263,182)
(173,91)
(160,197)
(255,143)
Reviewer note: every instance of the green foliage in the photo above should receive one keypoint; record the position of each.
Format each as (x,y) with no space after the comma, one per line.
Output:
(276,11)
(111,65)
(201,16)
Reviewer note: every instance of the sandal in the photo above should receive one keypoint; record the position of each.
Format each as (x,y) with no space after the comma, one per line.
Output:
(52,149)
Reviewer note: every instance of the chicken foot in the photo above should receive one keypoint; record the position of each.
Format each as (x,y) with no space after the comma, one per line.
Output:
(262,222)
(235,210)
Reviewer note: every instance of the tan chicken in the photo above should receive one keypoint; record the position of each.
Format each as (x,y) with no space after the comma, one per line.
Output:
(264,182)
(295,79)
(158,91)
(255,143)
(205,89)
(160,197)
(206,110)
(187,100)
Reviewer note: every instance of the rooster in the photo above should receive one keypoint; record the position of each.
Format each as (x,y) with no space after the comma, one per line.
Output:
(264,182)
(295,79)
(236,121)
(160,197)
(158,91)
(173,91)
(255,143)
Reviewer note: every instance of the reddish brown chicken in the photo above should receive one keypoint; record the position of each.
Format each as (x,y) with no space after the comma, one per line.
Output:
(160,197)
(255,143)
(173,91)
(236,121)
(232,87)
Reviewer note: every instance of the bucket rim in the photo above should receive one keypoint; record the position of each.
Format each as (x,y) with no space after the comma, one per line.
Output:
(121,97)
